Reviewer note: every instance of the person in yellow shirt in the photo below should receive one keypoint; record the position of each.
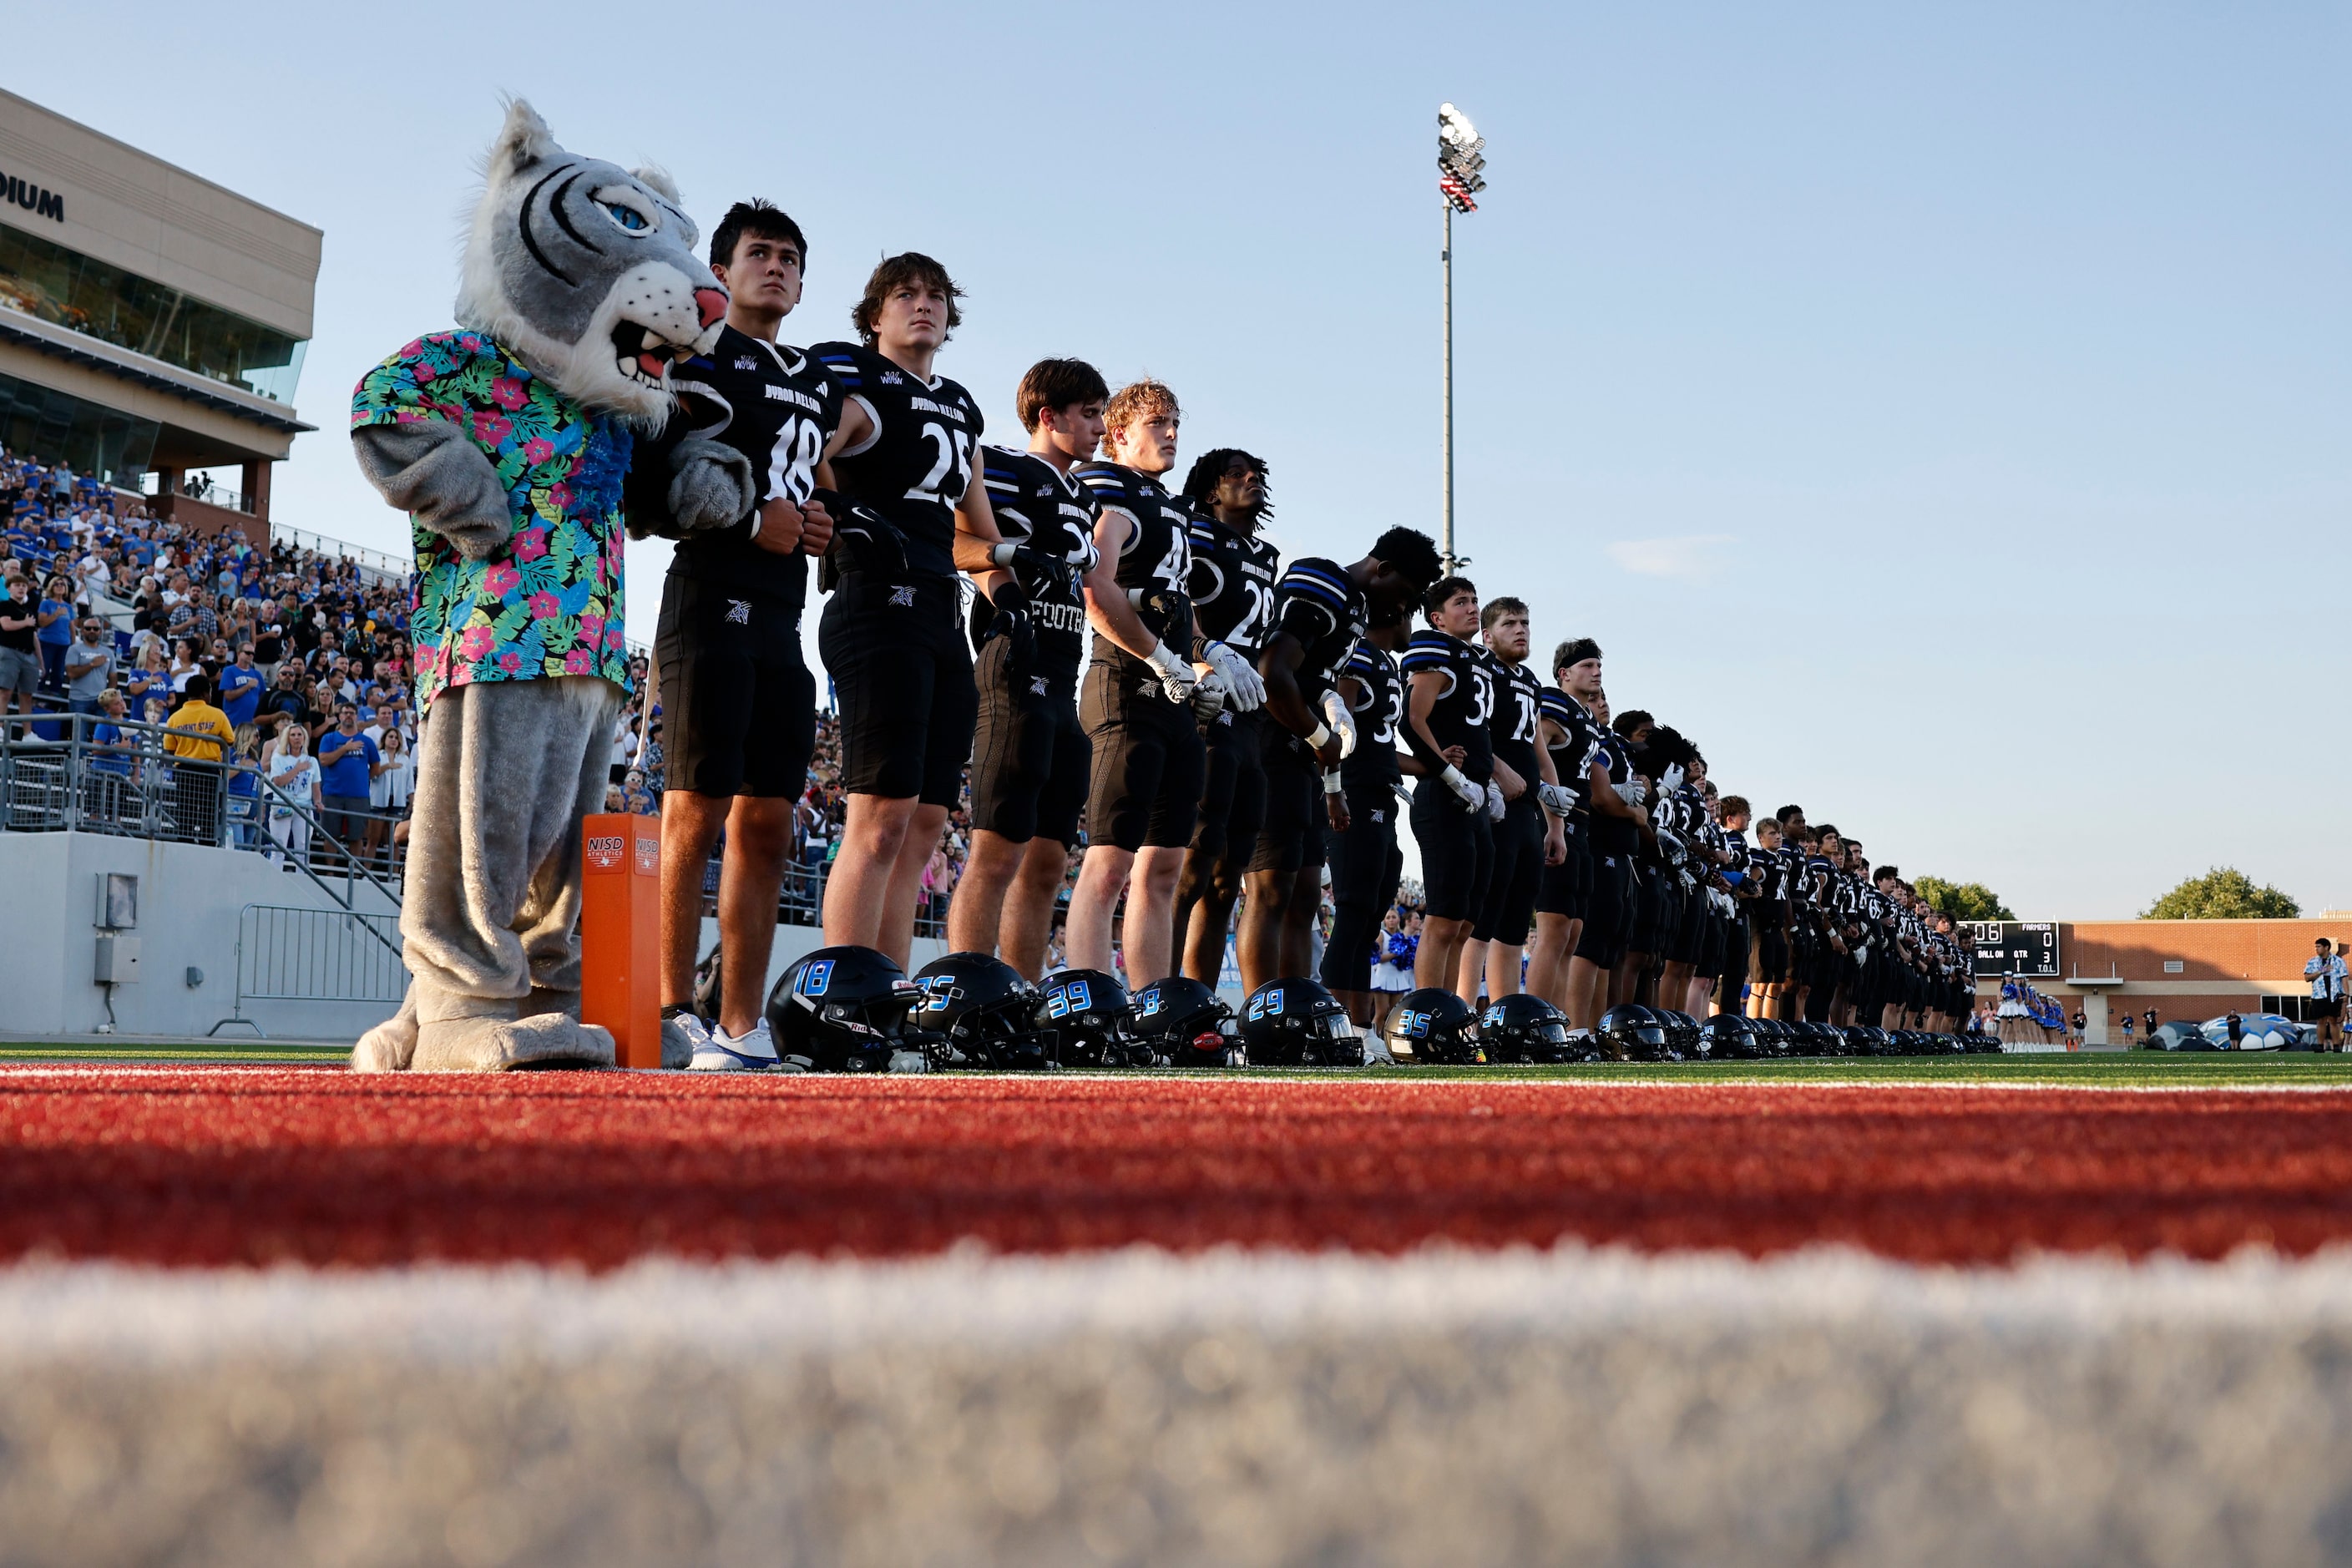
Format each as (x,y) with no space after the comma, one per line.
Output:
(196,806)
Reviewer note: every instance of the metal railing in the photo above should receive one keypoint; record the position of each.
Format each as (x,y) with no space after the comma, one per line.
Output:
(58,776)
(288,953)
(800,901)
(378,564)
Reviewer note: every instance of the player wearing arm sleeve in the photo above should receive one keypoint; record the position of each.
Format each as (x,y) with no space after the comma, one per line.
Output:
(1232,586)
(1321,611)
(1031,757)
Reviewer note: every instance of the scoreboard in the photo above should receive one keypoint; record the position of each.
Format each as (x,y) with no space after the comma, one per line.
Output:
(2027,948)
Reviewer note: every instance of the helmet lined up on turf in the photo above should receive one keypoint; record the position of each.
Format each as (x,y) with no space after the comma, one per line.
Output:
(1522,1027)
(1081,1019)
(844,1009)
(1433,1025)
(1179,1022)
(1632,1034)
(1297,1023)
(982,1013)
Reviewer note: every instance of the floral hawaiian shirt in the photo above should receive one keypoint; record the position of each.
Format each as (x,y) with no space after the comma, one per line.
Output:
(550,602)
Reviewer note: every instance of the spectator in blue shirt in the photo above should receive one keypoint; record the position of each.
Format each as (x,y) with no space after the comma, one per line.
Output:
(240,690)
(347,763)
(57,631)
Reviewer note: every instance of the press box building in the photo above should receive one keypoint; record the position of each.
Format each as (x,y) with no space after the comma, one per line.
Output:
(151,321)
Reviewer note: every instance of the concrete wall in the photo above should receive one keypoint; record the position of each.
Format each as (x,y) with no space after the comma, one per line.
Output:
(191,899)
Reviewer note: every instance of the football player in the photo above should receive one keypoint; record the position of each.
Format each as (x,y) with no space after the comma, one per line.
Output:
(892,635)
(1030,755)
(1448,695)
(1321,611)
(739,703)
(1367,865)
(1140,694)
(1528,837)
(1232,586)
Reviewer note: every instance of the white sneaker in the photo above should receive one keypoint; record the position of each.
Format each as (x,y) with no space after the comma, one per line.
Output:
(723,1052)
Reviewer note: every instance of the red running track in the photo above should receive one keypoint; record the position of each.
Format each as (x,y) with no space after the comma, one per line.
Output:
(197,1167)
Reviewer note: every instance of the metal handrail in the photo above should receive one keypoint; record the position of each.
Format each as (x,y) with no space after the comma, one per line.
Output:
(87,760)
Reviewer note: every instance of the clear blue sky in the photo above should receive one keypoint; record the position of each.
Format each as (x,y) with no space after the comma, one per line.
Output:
(1943,416)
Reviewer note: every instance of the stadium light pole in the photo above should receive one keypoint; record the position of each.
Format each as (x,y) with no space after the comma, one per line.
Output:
(1461,175)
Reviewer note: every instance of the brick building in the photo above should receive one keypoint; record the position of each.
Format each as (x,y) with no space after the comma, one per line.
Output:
(2190,970)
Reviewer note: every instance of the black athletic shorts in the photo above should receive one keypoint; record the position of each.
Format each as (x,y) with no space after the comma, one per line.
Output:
(1518,868)
(1688,941)
(1232,791)
(1712,942)
(902,673)
(1291,834)
(738,704)
(1661,913)
(1736,942)
(1029,755)
(1603,942)
(1365,866)
(1148,762)
(1563,888)
(2325,1007)
(1771,944)
(1457,851)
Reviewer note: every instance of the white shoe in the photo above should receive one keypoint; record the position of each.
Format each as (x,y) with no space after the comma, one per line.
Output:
(754,1052)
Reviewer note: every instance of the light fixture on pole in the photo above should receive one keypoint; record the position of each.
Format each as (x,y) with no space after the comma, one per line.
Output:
(1461,175)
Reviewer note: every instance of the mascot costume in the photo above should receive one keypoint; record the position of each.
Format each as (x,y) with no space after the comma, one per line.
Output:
(506,441)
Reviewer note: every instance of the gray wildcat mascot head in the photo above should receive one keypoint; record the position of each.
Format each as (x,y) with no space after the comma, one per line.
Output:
(586,271)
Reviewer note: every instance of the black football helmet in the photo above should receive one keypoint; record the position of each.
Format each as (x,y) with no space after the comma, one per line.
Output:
(1681,1032)
(1524,1029)
(980,1013)
(844,1009)
(1980,1045)
(1178,1022)
(1433,1025)
(1729,1037)
(1082,1019)
(1297,1023)
(1633,1033)
(1860,1040)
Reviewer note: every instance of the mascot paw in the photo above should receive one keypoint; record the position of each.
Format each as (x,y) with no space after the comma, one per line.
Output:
(391,1045)
(502,1044)
(711,485)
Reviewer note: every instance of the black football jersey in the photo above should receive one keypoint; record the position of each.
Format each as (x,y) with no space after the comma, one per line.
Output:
(1511,727)
(1377,703)
(1155,563)
(777,406)
(1613,835)
(1459,716)
(1317,604)
(1232,586)
(1038,505)
(916,465)
(1579,746)
(1764,870)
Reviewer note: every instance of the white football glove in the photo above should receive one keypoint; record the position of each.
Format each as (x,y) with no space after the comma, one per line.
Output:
(1633,792)
(1497,806)
(1342,721)
(1557,799)
(1473,796)
(1176,675)
(1210,695)
(1246,687)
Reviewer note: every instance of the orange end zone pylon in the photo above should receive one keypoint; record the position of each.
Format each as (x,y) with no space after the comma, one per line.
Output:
(620,933)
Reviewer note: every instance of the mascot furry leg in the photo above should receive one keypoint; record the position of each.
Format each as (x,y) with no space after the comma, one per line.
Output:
(507,442)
